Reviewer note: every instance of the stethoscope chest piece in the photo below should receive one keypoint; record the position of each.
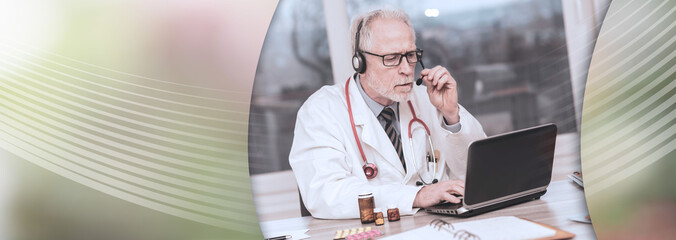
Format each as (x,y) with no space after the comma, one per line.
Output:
(370,170)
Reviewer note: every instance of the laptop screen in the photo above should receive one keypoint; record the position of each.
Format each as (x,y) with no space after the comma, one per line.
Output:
(509,163)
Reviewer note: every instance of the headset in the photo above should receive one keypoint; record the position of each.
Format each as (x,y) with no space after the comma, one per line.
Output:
(358,61)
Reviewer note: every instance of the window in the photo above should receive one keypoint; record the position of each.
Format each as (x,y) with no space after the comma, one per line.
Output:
(294,63)
(509,57)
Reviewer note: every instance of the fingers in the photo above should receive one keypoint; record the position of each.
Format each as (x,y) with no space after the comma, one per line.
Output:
(460,183)
(447,191)
(444,81)
(450,198)
(454,182)
(431,75)
(454,187)
(438,77)
(442,191)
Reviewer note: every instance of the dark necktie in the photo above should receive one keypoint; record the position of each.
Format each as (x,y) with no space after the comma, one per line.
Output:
(388,114)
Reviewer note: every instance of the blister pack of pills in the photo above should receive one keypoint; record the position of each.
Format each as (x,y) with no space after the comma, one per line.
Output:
(357,234)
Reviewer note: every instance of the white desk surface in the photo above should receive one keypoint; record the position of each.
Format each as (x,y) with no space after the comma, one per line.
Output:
(277,203)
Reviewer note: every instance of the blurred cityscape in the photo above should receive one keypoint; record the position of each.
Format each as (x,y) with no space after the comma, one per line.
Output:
(509,58)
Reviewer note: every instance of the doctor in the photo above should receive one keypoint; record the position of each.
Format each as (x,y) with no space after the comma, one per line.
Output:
(342,149)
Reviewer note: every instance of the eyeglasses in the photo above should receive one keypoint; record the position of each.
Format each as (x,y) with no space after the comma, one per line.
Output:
(392,60)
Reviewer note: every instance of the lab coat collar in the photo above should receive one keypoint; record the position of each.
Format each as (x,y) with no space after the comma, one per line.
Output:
(375,107)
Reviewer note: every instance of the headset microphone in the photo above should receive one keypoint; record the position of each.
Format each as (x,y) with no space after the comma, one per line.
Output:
(419,81)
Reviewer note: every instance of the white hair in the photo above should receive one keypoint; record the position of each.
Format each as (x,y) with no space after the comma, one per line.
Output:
(365,19)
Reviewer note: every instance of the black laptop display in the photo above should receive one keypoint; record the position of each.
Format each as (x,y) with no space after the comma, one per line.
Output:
(505,169)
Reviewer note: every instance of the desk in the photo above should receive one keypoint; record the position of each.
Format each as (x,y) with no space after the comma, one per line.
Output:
(562,200)
(276,194)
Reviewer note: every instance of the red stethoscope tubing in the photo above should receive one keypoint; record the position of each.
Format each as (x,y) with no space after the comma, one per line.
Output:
(370,170)
(415,119)
(354,130)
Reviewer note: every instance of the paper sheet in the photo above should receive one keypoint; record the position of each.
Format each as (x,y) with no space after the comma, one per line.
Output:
(507,227)
(295,234)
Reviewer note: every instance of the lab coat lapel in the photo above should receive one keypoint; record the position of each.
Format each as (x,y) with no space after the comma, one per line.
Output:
(405,117)
(372,133)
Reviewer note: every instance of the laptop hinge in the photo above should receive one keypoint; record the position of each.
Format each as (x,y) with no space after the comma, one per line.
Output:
(502,199)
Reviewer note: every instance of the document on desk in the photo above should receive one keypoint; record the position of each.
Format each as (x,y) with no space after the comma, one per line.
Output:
(294,234)
(506,227)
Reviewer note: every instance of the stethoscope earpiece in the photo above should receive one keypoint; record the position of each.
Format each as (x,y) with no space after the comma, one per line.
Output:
(419,183)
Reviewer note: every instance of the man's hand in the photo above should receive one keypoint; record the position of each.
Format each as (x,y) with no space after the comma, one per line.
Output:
(441,191)
(442,90)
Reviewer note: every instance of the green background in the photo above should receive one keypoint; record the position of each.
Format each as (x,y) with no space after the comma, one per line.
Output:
(628,137)
(127,119)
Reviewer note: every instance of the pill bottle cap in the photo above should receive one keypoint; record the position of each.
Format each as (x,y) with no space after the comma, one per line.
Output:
(366,195)
(391,206)
(377,210)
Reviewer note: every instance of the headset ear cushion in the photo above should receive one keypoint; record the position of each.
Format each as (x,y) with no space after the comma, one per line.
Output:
(358,62)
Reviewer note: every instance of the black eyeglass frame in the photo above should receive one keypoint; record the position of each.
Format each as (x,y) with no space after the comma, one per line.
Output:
(418,54)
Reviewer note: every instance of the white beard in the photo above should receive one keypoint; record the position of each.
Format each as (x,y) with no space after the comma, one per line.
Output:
(387,91)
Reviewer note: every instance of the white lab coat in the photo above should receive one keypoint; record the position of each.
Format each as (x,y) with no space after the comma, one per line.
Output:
(328,165)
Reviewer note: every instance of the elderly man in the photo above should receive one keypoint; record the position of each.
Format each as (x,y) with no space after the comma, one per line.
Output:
(369,134)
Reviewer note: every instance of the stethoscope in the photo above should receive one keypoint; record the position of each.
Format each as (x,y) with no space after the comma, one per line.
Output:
(370,169)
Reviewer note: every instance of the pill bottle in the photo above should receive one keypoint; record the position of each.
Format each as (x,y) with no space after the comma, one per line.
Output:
(393,213)
(379,217)
(366,206)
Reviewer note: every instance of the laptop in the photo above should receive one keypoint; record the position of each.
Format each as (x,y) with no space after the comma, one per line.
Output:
(504,170)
